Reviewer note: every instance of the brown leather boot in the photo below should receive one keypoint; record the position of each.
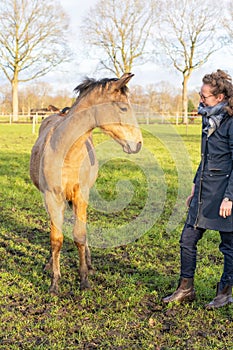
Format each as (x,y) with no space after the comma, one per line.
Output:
(184,292)
(223,297)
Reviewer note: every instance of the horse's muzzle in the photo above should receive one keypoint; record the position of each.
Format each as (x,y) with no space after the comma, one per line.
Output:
(132,147)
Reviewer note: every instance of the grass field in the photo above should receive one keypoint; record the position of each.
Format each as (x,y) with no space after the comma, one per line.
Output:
(134,231)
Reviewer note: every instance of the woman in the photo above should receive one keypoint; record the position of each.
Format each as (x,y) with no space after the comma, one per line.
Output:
(210,202)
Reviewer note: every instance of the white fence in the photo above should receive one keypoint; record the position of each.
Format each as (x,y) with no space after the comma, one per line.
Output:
(23,118)
(142,117)
(163,118)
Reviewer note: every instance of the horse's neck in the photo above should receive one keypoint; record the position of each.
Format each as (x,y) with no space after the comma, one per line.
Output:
(75,128)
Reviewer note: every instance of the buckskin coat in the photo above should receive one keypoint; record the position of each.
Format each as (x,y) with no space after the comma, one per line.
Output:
(214,180)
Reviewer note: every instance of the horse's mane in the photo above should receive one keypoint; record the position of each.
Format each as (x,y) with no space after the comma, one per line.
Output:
(89,84)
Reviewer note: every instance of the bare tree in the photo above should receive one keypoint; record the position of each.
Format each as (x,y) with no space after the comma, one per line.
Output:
(5,95)
(120,31)
(41,95)
(189,33)
(32,40)
(227,21)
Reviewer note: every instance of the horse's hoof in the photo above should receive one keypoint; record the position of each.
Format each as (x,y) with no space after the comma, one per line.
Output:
(53,293)
(84,285)
(91,271)
(47,267)
(53,290)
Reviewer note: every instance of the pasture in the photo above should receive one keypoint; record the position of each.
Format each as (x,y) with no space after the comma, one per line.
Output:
(134,229)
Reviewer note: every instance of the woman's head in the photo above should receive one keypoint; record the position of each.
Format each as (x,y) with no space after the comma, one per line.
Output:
(217,87)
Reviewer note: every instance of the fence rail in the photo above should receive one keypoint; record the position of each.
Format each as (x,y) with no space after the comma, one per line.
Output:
(143,118)
(147,118)
(23,118)
(163,118)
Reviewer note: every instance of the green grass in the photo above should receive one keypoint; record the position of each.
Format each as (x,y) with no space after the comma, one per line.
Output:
(135,251)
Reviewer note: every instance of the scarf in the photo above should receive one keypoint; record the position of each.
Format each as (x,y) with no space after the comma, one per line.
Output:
(212,116)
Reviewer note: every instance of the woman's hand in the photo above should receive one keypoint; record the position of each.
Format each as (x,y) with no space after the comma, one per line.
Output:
(225,208)
(188,200)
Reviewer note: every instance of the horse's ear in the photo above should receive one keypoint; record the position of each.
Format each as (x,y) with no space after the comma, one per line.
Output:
(123,80)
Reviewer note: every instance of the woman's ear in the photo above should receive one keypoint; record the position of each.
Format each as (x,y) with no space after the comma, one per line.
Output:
(220,97)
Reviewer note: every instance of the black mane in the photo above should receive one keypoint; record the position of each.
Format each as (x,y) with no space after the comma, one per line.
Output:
(89,84)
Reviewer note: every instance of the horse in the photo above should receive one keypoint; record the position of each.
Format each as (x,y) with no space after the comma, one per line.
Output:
(63,164)
(43,111)
(40,111)
(52,108)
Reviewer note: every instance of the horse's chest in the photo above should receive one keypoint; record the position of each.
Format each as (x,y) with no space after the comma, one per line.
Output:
(84,174)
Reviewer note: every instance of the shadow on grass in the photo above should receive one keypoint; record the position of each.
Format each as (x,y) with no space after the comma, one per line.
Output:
(25,249)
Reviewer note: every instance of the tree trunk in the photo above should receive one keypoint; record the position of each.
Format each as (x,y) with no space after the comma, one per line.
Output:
(185,99)
(15,102)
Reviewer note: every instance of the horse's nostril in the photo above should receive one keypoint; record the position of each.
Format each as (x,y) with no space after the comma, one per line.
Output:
(139,146)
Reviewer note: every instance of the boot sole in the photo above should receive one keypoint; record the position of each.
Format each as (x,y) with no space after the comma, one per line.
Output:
(188,298)
(212,307)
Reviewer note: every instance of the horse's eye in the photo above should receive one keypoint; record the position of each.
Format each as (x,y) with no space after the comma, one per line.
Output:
(123,109)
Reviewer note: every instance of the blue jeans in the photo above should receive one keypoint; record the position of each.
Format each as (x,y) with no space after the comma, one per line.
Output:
(188,250)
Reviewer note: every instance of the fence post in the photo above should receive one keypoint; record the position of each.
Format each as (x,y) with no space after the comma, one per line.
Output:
(177,118)
(162,118)
(33,124)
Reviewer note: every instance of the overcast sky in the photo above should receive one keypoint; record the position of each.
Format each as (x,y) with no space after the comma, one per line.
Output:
(145,74)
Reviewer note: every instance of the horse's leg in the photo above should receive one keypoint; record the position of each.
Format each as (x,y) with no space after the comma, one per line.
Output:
(55,206)
(56,239)
(80,239)
(88,259)
(49,264)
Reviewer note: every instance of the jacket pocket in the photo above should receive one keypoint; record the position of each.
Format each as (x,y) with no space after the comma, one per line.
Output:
(221,166)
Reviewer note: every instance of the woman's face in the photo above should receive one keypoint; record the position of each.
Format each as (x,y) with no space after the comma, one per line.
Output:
(207,98)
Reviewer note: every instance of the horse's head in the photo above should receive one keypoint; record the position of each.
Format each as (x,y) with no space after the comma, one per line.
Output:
(120,123)
(114,113)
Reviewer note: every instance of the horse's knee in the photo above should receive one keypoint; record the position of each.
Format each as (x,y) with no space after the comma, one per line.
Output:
(56,238)
(56,245)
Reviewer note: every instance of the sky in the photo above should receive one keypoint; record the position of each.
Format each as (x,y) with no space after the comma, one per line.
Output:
(73,73)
